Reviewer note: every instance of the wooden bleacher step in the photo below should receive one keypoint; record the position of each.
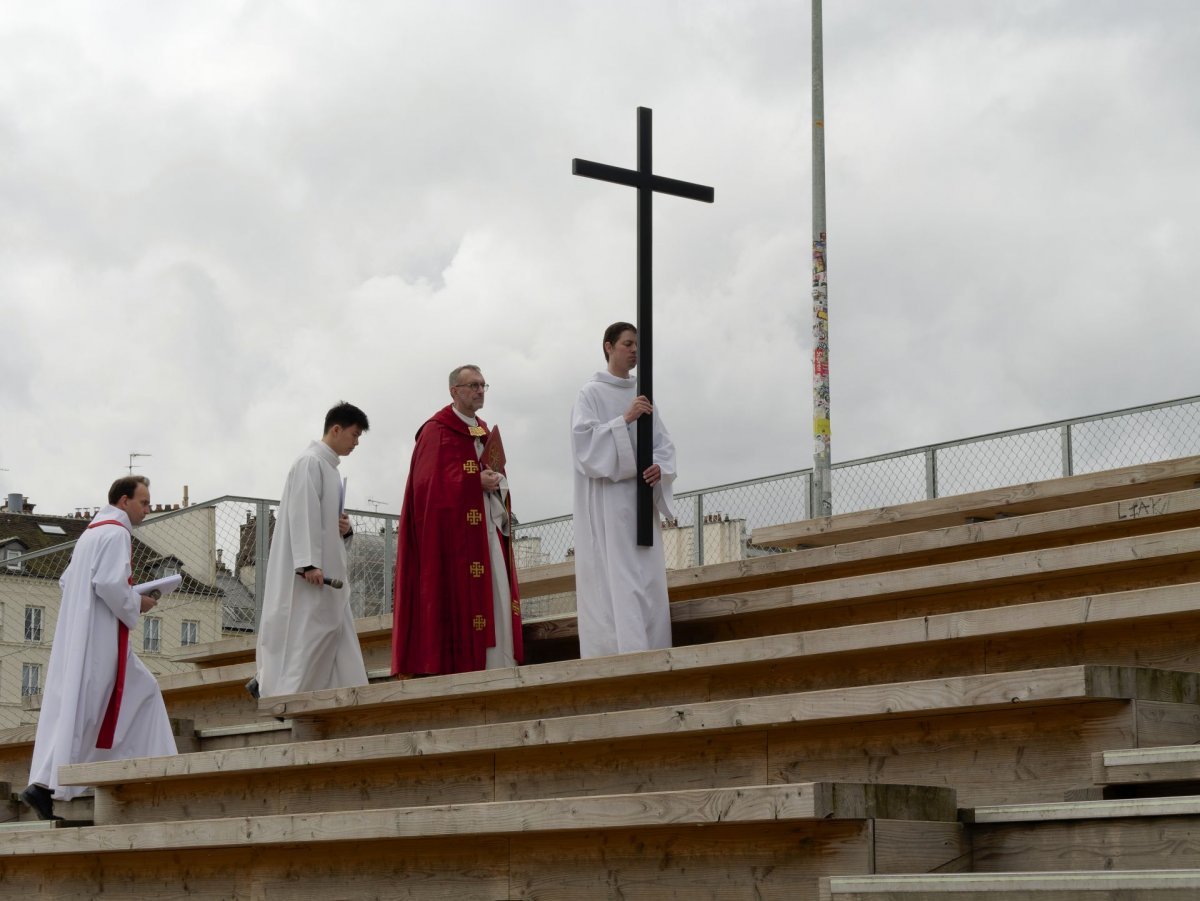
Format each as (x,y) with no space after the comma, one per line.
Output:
(696,843)
(215,696)
(11,826)
(1071,525)
(996,738)
(1104,566)
(1014,500)
(1130,885)
(14,813)
(374,634)
(1049,633)
(1177,764)
(1139,833)
(1142,773)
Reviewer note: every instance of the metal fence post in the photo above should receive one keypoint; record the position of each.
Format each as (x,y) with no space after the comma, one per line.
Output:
(1068,462)
(389,564)
(698,532)
(809,500)
(262,546)
(931,486)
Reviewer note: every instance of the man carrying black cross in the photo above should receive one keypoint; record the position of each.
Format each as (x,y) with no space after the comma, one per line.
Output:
(620,586)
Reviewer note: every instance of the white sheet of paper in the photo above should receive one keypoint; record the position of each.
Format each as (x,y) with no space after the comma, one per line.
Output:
(164,585)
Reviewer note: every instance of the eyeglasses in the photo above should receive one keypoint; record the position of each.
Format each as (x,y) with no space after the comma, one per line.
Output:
(475,386)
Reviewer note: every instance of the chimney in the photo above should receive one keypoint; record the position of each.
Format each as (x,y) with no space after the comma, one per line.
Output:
(185,495)
(16,503)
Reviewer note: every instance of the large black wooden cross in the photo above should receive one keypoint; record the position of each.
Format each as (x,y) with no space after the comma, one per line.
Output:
(646,183)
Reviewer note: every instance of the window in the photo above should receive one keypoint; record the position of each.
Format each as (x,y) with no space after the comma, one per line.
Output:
(10,558)
(51,530)
(33,623)
(151,631)
(31,679)
(190,633)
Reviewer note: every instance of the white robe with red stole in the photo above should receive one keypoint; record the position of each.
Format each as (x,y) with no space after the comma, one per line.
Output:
(96,597)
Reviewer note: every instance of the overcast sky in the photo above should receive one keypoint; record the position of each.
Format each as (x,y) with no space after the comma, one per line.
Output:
(217,219)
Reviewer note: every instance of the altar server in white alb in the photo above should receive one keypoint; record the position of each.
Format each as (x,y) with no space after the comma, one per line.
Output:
(307,640)
(100,700)
(620,588)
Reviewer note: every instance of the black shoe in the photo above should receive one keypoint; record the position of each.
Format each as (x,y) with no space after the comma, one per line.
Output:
(252,687)
(41,801)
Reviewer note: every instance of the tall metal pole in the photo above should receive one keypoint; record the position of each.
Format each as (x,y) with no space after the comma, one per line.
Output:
(822,495)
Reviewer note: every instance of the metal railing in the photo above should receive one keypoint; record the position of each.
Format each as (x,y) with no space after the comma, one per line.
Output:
(1085,444)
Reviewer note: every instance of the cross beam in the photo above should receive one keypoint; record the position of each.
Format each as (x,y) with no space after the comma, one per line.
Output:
(647,185)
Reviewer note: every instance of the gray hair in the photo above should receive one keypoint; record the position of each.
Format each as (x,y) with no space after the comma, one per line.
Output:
(457,371)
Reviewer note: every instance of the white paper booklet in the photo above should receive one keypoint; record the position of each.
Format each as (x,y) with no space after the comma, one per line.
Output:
(163,586)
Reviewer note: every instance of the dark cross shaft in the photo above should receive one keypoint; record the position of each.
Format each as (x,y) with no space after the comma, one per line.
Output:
(647,183)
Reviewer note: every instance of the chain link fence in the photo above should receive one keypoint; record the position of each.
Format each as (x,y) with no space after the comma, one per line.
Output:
(1069,447)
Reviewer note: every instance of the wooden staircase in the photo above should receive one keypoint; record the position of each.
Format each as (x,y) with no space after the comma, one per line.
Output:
(994,696)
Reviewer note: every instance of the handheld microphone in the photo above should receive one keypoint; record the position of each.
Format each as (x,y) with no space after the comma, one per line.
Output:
(332,583)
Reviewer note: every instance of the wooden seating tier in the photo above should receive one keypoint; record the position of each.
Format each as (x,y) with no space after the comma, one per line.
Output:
(824,713)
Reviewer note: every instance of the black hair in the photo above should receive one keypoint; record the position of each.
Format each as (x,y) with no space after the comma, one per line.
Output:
(346,415)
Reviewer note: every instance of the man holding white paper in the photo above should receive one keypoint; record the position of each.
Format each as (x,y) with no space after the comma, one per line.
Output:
(100,702)
(307,640)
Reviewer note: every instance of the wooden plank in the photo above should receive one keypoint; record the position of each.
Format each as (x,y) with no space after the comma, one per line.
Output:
(412,782)
(809,801)
(416,870)
(906,846)
(550,578)
(203,679)
(779,862)
(78,810)
(998,756)
(228,651)
(1032,688)
(1034,497)
(1165,723)
(772,860)
(1140,515)
(941,584)
(1183,805)
(654,763)
(1132,885)
(8,828)
(987,572)
(1143,765)
(692,664)
(1138,842)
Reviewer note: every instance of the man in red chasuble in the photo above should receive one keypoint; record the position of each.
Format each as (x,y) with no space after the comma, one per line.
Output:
(455,601)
